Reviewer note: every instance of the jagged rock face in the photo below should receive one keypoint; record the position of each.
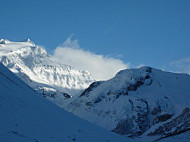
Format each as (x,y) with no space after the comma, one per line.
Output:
(41,71)
(134,101)
(174,126)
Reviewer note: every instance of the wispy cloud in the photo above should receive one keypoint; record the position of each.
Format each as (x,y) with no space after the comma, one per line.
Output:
(100,66)
(182,65)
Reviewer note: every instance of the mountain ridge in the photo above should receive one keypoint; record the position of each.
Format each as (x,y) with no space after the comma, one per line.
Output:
(27,116)
(41,71)
(144,103)
(137,103)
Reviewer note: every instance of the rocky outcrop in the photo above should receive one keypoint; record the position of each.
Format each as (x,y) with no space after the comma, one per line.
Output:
(174,126)
(137,102)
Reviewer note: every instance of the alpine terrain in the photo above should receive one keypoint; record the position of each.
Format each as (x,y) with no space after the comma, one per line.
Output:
(138,103)
(145,104)
(41,71)
(28,117)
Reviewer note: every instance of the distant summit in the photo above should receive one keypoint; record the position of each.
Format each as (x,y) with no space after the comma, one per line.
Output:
(26,40)
(3,41)
(41,71)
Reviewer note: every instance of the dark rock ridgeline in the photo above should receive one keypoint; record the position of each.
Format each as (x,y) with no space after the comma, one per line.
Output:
(146,80)
(175,126)
(137,124)
(52,94)
(90,88)
(112,96)
(143,119)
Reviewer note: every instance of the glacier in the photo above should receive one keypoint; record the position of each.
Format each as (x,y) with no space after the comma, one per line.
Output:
(145,104)
(42,72)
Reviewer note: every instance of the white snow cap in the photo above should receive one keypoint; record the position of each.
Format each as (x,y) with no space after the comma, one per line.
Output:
(3,41)
(37,68)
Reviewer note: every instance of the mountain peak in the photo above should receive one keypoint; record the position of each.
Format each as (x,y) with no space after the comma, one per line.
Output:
(136,100)
(3,41)
(26,40)
(144,69)
(39,69)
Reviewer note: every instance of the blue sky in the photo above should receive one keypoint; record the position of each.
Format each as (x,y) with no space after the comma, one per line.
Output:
(148,32)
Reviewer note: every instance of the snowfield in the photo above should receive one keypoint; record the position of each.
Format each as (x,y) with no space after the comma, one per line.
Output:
(28,117)
(144,104)
(42,72)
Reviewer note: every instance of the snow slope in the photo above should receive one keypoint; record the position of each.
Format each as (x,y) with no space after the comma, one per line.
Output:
(28,117)
(41,71)
(137,103)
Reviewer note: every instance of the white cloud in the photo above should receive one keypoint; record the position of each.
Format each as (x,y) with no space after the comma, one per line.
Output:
(99,66)
(182,65)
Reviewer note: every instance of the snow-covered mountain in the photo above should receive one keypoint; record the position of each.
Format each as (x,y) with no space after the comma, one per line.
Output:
(41,71)
(28,117)
(138,103)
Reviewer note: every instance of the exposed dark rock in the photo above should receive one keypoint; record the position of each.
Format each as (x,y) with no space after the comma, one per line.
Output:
(97,100)
(90,88)
(162,118)
(156,110)
(173,134)
(132,87)
(52,94)
(141,119)
(148,69)
(176,125)
(89,103)
(140,81)
(147,76)
(17,133)
(132,105)
(66,95)
(124,127)
(73,139)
